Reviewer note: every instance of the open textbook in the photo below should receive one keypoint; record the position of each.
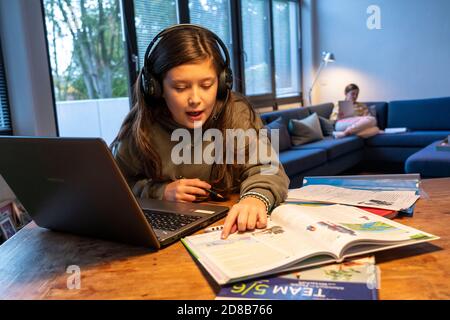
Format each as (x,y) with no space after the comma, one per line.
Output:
(391,200)
(298,237)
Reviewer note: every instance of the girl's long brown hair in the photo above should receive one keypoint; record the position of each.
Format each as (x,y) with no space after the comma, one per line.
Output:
(178,47)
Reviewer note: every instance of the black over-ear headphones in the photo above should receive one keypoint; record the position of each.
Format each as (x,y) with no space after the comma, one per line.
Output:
(151,86)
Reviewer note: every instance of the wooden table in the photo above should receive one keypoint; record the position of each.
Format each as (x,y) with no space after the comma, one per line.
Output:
(34,263)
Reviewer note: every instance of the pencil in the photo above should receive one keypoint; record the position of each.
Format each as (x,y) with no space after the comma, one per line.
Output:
(215,193)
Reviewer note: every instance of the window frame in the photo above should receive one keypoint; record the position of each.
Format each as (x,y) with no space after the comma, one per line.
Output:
(258,101)
(4,101)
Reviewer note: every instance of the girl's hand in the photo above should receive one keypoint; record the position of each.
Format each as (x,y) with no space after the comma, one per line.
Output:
(247,214)
(185,190)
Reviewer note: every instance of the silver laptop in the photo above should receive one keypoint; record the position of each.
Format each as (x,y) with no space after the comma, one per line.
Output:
(345,109)
(74,185)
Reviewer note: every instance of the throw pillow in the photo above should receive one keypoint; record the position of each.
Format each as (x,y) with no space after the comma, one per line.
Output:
(327,126)
(373,111)
(283,134)
(305,130)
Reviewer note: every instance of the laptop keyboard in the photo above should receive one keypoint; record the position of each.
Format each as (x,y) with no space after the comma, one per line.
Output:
(168,221)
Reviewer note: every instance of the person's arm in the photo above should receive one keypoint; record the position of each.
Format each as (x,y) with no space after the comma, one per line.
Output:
(132,170)
(182,190)
(263,186)
(335,113)
(363,109)
(259,193)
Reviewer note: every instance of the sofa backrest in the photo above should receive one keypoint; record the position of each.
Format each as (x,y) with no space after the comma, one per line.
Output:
(323,110)
(295,113)
(424,114)
(381,109)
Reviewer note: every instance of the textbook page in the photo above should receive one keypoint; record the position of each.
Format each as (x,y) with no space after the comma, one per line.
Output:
(251,253)
(340,227)
(314,223)
(392,200)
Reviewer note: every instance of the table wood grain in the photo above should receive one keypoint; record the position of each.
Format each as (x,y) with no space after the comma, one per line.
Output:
(34,263)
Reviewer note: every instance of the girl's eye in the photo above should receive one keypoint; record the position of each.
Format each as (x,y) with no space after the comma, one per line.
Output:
(180,89)
(207,86)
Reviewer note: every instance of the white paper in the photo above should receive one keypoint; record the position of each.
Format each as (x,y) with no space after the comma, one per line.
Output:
(391,200)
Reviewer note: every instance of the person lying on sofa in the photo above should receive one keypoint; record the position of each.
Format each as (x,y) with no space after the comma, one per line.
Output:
(361,123)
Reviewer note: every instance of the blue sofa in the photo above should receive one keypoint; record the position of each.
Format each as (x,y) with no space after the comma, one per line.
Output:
(428,121)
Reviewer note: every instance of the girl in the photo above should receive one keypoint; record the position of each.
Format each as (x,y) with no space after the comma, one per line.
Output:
(361,123)
(186,83)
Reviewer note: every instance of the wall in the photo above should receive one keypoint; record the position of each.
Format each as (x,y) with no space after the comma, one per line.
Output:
(5,192)
(27,68)
(92,118)
(408,58)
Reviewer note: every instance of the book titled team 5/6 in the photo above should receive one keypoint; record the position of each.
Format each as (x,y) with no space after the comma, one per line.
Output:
(298,237)
(355,279)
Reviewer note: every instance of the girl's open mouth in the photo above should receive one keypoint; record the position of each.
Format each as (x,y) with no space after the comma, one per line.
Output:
(194,115)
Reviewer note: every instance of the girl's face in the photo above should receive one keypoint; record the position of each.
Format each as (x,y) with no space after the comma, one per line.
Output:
(190,92)
(352,95)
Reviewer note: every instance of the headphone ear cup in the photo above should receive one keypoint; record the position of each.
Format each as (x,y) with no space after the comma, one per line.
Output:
(144,84)
(225,83)
(150,86)
(154,88)
(229,78)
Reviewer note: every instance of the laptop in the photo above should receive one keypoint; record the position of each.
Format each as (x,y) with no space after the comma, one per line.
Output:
(345,109)
(74,185)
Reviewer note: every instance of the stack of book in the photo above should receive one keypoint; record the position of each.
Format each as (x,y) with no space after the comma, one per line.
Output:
(332,224)
(299,237)
(332,189)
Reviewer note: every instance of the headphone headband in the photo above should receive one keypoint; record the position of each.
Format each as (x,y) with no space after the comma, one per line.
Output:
(184,26)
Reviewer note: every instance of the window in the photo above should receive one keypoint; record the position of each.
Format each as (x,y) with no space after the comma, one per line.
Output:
(96,48)
(150,18)
(262,37)
(5,123)
(287,48)
(87,59)
(216,16)
(271,51)
(257,48)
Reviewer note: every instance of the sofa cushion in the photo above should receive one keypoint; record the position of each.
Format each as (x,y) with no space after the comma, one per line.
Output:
(335,147)
(323,110)
(426,114)
(429,162)
(327,126)
(284,137)
(388,154)
(295,113)
(305,130)
(379,110)
(296,161)
(407,139)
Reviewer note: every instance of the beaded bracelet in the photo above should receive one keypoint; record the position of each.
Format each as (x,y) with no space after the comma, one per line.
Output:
(259,196)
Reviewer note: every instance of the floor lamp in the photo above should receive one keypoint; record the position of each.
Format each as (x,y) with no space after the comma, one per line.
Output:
(326,57)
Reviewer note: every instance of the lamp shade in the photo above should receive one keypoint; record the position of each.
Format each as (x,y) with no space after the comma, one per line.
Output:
(327,56)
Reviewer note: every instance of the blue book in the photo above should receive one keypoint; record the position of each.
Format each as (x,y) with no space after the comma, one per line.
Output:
(350,280)
(384,182)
